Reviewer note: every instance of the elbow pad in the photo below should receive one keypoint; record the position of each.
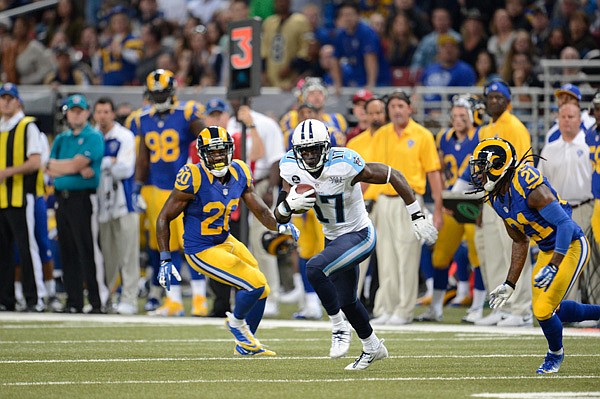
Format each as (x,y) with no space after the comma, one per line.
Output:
(555,214)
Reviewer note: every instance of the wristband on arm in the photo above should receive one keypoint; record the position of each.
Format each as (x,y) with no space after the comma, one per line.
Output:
(165,255)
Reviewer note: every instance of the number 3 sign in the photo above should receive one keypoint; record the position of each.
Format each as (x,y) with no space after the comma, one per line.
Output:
(244,58)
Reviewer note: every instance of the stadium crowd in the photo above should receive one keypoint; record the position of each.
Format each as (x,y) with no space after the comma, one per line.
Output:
(101,207)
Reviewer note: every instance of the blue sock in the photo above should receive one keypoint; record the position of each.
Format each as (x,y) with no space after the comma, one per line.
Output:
(440,279)
(461,257)
(308,288)
(571,311)
(176,259)
(478,279)
(255,315)
(426,265)
(552,329)
(245,301)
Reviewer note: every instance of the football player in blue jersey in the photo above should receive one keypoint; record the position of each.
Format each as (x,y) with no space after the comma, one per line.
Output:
(166,128)
(531,208)
(349,233)
(206,193)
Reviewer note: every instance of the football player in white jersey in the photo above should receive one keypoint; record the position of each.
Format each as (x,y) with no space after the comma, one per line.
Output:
(349,234)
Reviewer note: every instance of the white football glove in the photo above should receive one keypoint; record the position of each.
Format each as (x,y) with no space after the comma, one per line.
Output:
(423,228)
(164,274)
(500,295)
(300,202)
(289,229)
(545,276)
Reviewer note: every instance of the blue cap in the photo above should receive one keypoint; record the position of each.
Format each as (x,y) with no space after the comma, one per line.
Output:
(10,89)
(497,87)
(215,104)
(119,9)
(76,100)
(569,89)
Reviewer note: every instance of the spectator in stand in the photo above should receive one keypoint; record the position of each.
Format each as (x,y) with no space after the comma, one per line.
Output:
(579,34)
(474,36)
(563,10)
(539,19)
(419,20)
(485,68)
(503,36)
(399,42)
(516,12)
(357,46)
(216,59)
(69,19)
(449,70)
(557,40)
(327,63)
(283,39)
(66,73)
(428,46)
(360,114)
(25,60)
(151,36)
(521,45)
(121,51)
(119,223)
(205,9)
(572,74)
(311,65)
(88,47)
(148,13)
(377,23)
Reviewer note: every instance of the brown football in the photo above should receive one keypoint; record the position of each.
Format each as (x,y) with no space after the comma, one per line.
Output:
(302,188)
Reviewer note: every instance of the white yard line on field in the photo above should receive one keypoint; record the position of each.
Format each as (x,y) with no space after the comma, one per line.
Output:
(275,358)
(278,381)
(533,395)
(137,321)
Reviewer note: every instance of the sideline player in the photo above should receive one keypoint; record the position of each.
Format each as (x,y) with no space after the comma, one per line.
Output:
(206,193)
(349,233)
(531,208)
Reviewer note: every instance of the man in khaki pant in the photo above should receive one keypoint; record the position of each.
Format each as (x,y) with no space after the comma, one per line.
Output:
(410,148)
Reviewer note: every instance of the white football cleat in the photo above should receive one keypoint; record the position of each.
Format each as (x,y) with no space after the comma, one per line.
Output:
(365,359)
(340,341)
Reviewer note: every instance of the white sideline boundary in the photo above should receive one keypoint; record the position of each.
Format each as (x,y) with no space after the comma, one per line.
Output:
(122,320)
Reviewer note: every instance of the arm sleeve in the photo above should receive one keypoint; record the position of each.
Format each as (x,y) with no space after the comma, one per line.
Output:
(555,214)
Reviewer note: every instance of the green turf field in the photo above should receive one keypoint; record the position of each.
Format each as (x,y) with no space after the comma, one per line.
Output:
(60,356)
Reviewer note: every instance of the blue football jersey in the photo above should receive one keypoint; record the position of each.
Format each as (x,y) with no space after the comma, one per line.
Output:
(167,137)
(206,218)
(456,154)
(513,208)
(592,139)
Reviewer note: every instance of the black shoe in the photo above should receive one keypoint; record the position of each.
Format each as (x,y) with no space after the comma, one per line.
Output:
(96,311)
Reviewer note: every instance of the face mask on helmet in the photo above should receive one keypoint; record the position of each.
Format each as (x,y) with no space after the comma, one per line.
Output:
(311,144)
(490,162)
(215,148)
(160,87)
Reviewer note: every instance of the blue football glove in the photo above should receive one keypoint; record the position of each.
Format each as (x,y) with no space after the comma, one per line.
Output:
(164,274)
(545,276)
(137,201)
(289,229)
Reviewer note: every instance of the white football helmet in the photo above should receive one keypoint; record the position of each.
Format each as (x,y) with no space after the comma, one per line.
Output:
(311,144)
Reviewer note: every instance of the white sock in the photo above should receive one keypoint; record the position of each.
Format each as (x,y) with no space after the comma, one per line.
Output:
(174,294)
(462,289)
(337,319)
(312,300)
(558,352)
(429,285)
(50,287)
(437,301)
(19,292)
(298,283)
(198,287)
(478,299)
(370,344)
(234,321)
